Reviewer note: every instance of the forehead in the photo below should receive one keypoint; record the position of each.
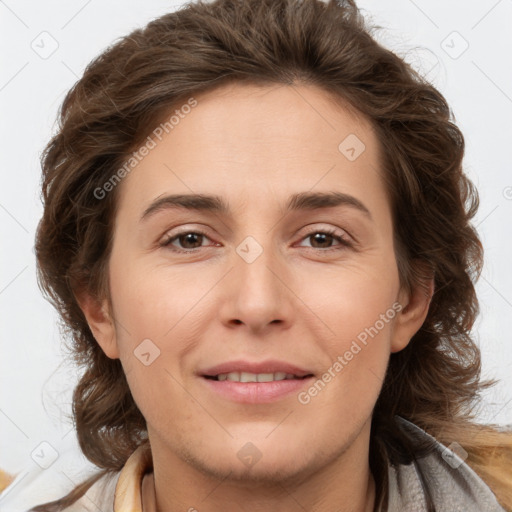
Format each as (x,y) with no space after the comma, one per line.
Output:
(293,118)
(264,139)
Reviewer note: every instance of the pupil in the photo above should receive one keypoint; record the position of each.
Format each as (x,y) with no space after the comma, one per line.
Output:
(189,238)
(322,235)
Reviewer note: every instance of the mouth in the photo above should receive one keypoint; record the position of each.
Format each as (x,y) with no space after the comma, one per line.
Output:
(255,383)
(256,377)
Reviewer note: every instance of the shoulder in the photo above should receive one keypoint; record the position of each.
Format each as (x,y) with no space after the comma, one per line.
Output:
(442,473)
(33,487)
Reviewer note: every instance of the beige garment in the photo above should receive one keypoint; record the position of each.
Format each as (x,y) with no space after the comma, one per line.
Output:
(128,493)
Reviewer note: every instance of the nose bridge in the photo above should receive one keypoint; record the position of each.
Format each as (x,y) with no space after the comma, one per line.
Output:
(258,293)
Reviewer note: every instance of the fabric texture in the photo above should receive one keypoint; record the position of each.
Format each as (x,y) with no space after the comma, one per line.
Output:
(453,485)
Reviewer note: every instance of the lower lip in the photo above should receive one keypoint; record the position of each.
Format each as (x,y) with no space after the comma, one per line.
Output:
(256,392)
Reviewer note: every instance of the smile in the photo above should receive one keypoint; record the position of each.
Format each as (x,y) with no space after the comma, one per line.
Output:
(256,388)
(254,377)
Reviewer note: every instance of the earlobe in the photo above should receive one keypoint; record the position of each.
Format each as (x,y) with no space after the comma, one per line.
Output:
(101,323)
(415,306)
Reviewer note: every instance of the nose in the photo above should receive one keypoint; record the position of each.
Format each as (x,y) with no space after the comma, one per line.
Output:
(259,294)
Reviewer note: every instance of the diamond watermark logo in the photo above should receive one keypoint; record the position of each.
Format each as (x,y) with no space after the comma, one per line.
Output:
(454,45)
(455,455)
(351,147)
(45,45)
(44,455)
(146,352)
(249,454)
(249,249)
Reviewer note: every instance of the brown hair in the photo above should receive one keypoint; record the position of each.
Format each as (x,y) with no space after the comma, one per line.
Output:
(435,381)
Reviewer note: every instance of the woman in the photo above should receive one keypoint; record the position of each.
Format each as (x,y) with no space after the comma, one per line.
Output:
(257,229)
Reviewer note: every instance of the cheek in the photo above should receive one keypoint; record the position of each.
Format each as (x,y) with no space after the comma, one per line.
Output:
(159,323)
(355,309)
(151,302)
(352,298)
(356,362)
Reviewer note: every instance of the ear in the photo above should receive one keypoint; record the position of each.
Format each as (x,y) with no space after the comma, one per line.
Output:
(415,306)
(100,322)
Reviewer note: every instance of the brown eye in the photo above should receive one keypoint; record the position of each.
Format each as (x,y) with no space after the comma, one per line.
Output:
(324,239)
(188,241)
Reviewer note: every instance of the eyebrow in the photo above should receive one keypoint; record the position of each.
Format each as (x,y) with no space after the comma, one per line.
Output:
(216,204)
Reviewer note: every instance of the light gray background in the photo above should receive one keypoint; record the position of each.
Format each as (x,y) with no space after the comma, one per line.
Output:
(35,387)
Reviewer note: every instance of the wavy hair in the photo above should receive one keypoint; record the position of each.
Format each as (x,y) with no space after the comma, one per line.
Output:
(128,89)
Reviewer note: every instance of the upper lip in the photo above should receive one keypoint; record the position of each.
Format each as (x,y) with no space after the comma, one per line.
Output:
(269,366)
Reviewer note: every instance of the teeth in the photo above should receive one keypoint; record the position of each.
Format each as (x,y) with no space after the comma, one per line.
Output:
(255,377)
(248,377)
(265,377)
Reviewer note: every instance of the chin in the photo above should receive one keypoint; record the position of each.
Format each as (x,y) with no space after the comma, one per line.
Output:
(264,472)
(262,461)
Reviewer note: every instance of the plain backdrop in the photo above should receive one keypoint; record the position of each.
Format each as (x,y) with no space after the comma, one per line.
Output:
(462,47)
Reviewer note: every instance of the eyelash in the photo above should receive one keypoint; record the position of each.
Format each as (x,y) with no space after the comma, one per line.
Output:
(343,242)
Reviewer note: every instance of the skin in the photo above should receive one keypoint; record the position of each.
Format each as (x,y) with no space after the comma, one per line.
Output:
(298,301)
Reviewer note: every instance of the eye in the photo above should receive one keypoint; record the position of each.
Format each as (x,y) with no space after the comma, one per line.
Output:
(321,239)
(189,240)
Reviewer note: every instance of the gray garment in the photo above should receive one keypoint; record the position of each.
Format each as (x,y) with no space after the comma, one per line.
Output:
(454,486)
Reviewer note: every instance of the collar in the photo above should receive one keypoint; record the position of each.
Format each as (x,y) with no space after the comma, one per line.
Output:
(451,483)
(128,494)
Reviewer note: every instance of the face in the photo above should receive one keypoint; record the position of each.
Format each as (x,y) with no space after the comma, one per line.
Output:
(295,278)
